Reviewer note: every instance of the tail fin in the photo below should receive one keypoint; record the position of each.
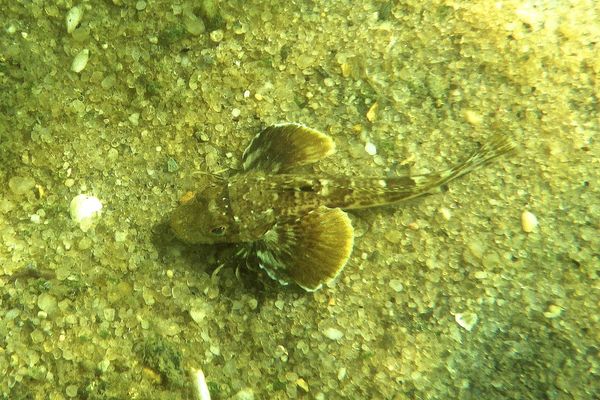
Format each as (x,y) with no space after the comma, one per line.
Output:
(359,192)
(496,147)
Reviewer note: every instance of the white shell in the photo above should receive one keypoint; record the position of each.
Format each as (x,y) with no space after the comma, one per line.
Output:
(201,388)
(73,18)
(80,61)
(84,210)
(529,222)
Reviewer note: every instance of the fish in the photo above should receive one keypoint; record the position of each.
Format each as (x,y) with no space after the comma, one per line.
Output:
(294,223)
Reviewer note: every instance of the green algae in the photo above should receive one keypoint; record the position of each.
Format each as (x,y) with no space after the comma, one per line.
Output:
(163,357)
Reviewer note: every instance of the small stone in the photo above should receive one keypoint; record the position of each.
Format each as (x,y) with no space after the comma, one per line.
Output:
(466,320)
(333,333)
(134,119)
(172,165)
(244,394)
(193,24)
(529,221)
(73,18)
(553,311)
(140,5)
(84,244)
(216,36)
(37,336)
(80,61)
(120,236)
(71,390)
(235,112)
(393,236)
(445,213)
(148,296)
(473,117)
(20,185)
(103,365)
(47,303)
(396,284)
(253,304)
(109,81)
(481,275)
(112,155)
(372,113)
(109,314)
(302,384)
(198,315)
(370,149)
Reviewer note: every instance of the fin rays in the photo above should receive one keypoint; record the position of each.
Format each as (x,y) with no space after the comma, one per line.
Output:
(310,250)
(280,148)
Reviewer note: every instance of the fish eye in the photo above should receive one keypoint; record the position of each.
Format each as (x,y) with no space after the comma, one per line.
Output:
(218,231)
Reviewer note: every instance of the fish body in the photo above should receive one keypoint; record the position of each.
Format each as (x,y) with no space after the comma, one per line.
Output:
(292,221)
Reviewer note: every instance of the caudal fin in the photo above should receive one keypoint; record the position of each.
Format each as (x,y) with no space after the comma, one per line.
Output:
(490,150)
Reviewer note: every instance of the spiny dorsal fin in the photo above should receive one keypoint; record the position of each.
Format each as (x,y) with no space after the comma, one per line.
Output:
(279,148)
(310,250)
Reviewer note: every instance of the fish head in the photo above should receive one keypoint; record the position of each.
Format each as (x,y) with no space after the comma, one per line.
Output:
(205,216)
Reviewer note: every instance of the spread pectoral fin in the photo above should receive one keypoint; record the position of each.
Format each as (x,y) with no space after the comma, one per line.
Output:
(309,250)
(279,148)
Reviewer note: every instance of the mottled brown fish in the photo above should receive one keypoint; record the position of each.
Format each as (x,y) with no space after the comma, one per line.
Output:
(293,222)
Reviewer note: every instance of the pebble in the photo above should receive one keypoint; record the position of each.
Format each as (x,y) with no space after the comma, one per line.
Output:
(370,149)
(466,320)
(109,314)
(396,284)
(244,394)
(73,18)
(80,61)
(134,119)
(198,315)
(446,213)
(47,303)
(553,311)
(216,36)
(20,185)
(193,24)
(71,390)
(372,113)
(473,117)
(302,384)
(393,236)
(333,333)
(529,221)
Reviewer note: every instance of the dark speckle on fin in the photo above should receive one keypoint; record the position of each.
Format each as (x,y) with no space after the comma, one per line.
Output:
(310,250)
(280,148)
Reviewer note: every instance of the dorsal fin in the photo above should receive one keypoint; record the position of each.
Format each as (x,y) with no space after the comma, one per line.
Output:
(309,250)
(280,148)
